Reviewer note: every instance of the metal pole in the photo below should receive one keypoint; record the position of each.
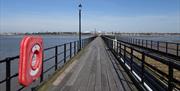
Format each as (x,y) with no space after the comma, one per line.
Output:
(8,74)
(74,47)
(177,50)
(131,55)
(56,58)
(142,67)
(166,47)
(151,44)
(158,45)
(120,49)
(70,49)
(170,77)
(42,74)
(64,53)
(80,6)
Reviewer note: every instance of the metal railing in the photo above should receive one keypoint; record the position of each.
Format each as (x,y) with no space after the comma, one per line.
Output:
(63,51)
(168,48)
(138,66)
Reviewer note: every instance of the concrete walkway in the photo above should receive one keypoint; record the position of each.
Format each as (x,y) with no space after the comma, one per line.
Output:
(95,70)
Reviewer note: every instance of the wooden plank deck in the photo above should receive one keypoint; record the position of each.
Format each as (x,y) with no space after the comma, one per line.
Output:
(95,70)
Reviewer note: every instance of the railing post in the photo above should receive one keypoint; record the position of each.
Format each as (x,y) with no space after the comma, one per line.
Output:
(142,42)
(124,51)
(113,45)
(177,49)
(142,67)
(124,54)
(85,40)
(131,55)
(74,47)
(83,43)
(64,53)
(117,47)
(166,47)
(42,74)
(158,45)
(120,49)
(139,42)
(146,43)
(151,44)
(170,77)
(8,74)
(133,40)
(56,57)
(136,41)
(79,46)
(70,49)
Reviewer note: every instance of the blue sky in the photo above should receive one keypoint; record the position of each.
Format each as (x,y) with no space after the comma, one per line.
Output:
(104,15)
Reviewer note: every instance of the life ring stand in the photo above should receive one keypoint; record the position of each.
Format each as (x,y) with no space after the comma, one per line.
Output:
(30,61)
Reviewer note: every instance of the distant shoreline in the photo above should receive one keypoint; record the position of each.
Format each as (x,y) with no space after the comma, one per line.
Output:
(47,33)
(93,33)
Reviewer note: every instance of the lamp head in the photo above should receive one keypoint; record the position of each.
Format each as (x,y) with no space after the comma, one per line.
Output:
(80,6)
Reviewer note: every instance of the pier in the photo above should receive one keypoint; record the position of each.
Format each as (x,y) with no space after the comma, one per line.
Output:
(104,63)
(90,45)
(95,70)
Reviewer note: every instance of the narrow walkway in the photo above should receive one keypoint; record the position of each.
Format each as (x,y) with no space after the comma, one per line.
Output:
(95,70)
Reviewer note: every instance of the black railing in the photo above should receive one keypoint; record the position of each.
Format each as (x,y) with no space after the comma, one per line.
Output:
(168,48)
(61,54)
(139,67)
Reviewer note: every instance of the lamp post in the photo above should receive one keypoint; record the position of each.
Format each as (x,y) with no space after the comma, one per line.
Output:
(80,7)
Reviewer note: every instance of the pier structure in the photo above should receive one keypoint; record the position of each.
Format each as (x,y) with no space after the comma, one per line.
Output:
(103,64)
(95,70)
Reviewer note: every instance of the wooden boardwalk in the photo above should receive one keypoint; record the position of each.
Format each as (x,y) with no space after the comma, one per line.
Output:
(95,70)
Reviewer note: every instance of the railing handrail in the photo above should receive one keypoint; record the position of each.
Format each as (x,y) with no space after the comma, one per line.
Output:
(138,50)
(170,48)
(51,47)
(9,58)
(171,65)
(153,40)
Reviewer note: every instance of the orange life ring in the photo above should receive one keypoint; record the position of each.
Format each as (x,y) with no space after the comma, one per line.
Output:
(30,61)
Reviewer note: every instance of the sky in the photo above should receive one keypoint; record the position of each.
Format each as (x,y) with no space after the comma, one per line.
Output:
(102,15)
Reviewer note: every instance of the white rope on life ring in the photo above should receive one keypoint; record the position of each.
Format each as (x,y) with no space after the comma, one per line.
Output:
(35,60)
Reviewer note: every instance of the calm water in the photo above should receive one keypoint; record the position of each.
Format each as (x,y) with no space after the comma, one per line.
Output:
(9,45)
